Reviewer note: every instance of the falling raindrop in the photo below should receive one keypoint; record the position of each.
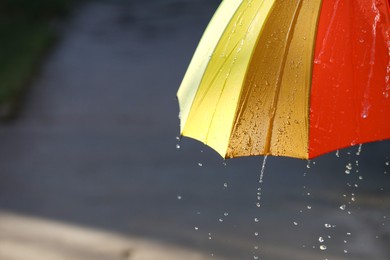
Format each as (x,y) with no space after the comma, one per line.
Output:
(256,220)
(308,164)
(321,239)
(295,223)
(226,214)
(177,146)
(337,153)
(342,207)
(256,234)
(200,164)
(308,207)
(196,228)
(179,197)
(225,185)
(323,247)
(359,150)
(220,220)
(348,168)
(328,225)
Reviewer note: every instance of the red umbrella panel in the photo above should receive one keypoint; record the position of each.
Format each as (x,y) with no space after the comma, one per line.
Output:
(350,94)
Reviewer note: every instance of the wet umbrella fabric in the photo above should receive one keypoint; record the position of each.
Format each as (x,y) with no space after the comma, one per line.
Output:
(292,78)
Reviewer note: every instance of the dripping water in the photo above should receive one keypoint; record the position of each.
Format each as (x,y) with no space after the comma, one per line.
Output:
(263,168)
(261,181)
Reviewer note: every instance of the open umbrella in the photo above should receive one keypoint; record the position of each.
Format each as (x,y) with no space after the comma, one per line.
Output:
(295,78)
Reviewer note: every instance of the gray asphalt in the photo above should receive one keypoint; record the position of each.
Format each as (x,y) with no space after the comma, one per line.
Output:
(95,146)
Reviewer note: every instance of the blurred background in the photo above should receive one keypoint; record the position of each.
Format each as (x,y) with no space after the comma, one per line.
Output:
(91,166)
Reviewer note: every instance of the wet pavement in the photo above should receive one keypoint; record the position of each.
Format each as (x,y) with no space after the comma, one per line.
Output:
(95,148)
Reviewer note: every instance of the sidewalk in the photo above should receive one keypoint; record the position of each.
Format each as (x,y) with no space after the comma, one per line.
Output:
(23,238)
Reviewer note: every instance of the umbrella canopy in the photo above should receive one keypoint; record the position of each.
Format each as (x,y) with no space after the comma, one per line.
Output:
(294,78)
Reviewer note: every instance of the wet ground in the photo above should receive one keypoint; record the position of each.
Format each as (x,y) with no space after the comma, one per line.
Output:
(95,149)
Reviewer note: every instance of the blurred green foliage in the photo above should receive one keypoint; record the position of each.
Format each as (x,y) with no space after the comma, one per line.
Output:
(35,9)
(26,32)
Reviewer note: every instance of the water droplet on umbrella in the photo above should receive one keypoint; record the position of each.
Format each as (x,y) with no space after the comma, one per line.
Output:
(179,197)
(200,164)
(328,225)
(295,223)
(196,228)
(226,214)
(342,207)
(177,146)
(225,185)
(364,114)
(256,220)
(256,234)
(321,239)
(323,247)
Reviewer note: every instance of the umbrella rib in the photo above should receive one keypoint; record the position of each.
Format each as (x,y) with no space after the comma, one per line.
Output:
(215,77)
(275,102)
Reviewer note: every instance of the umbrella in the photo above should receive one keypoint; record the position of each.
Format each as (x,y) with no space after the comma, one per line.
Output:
(296,78)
